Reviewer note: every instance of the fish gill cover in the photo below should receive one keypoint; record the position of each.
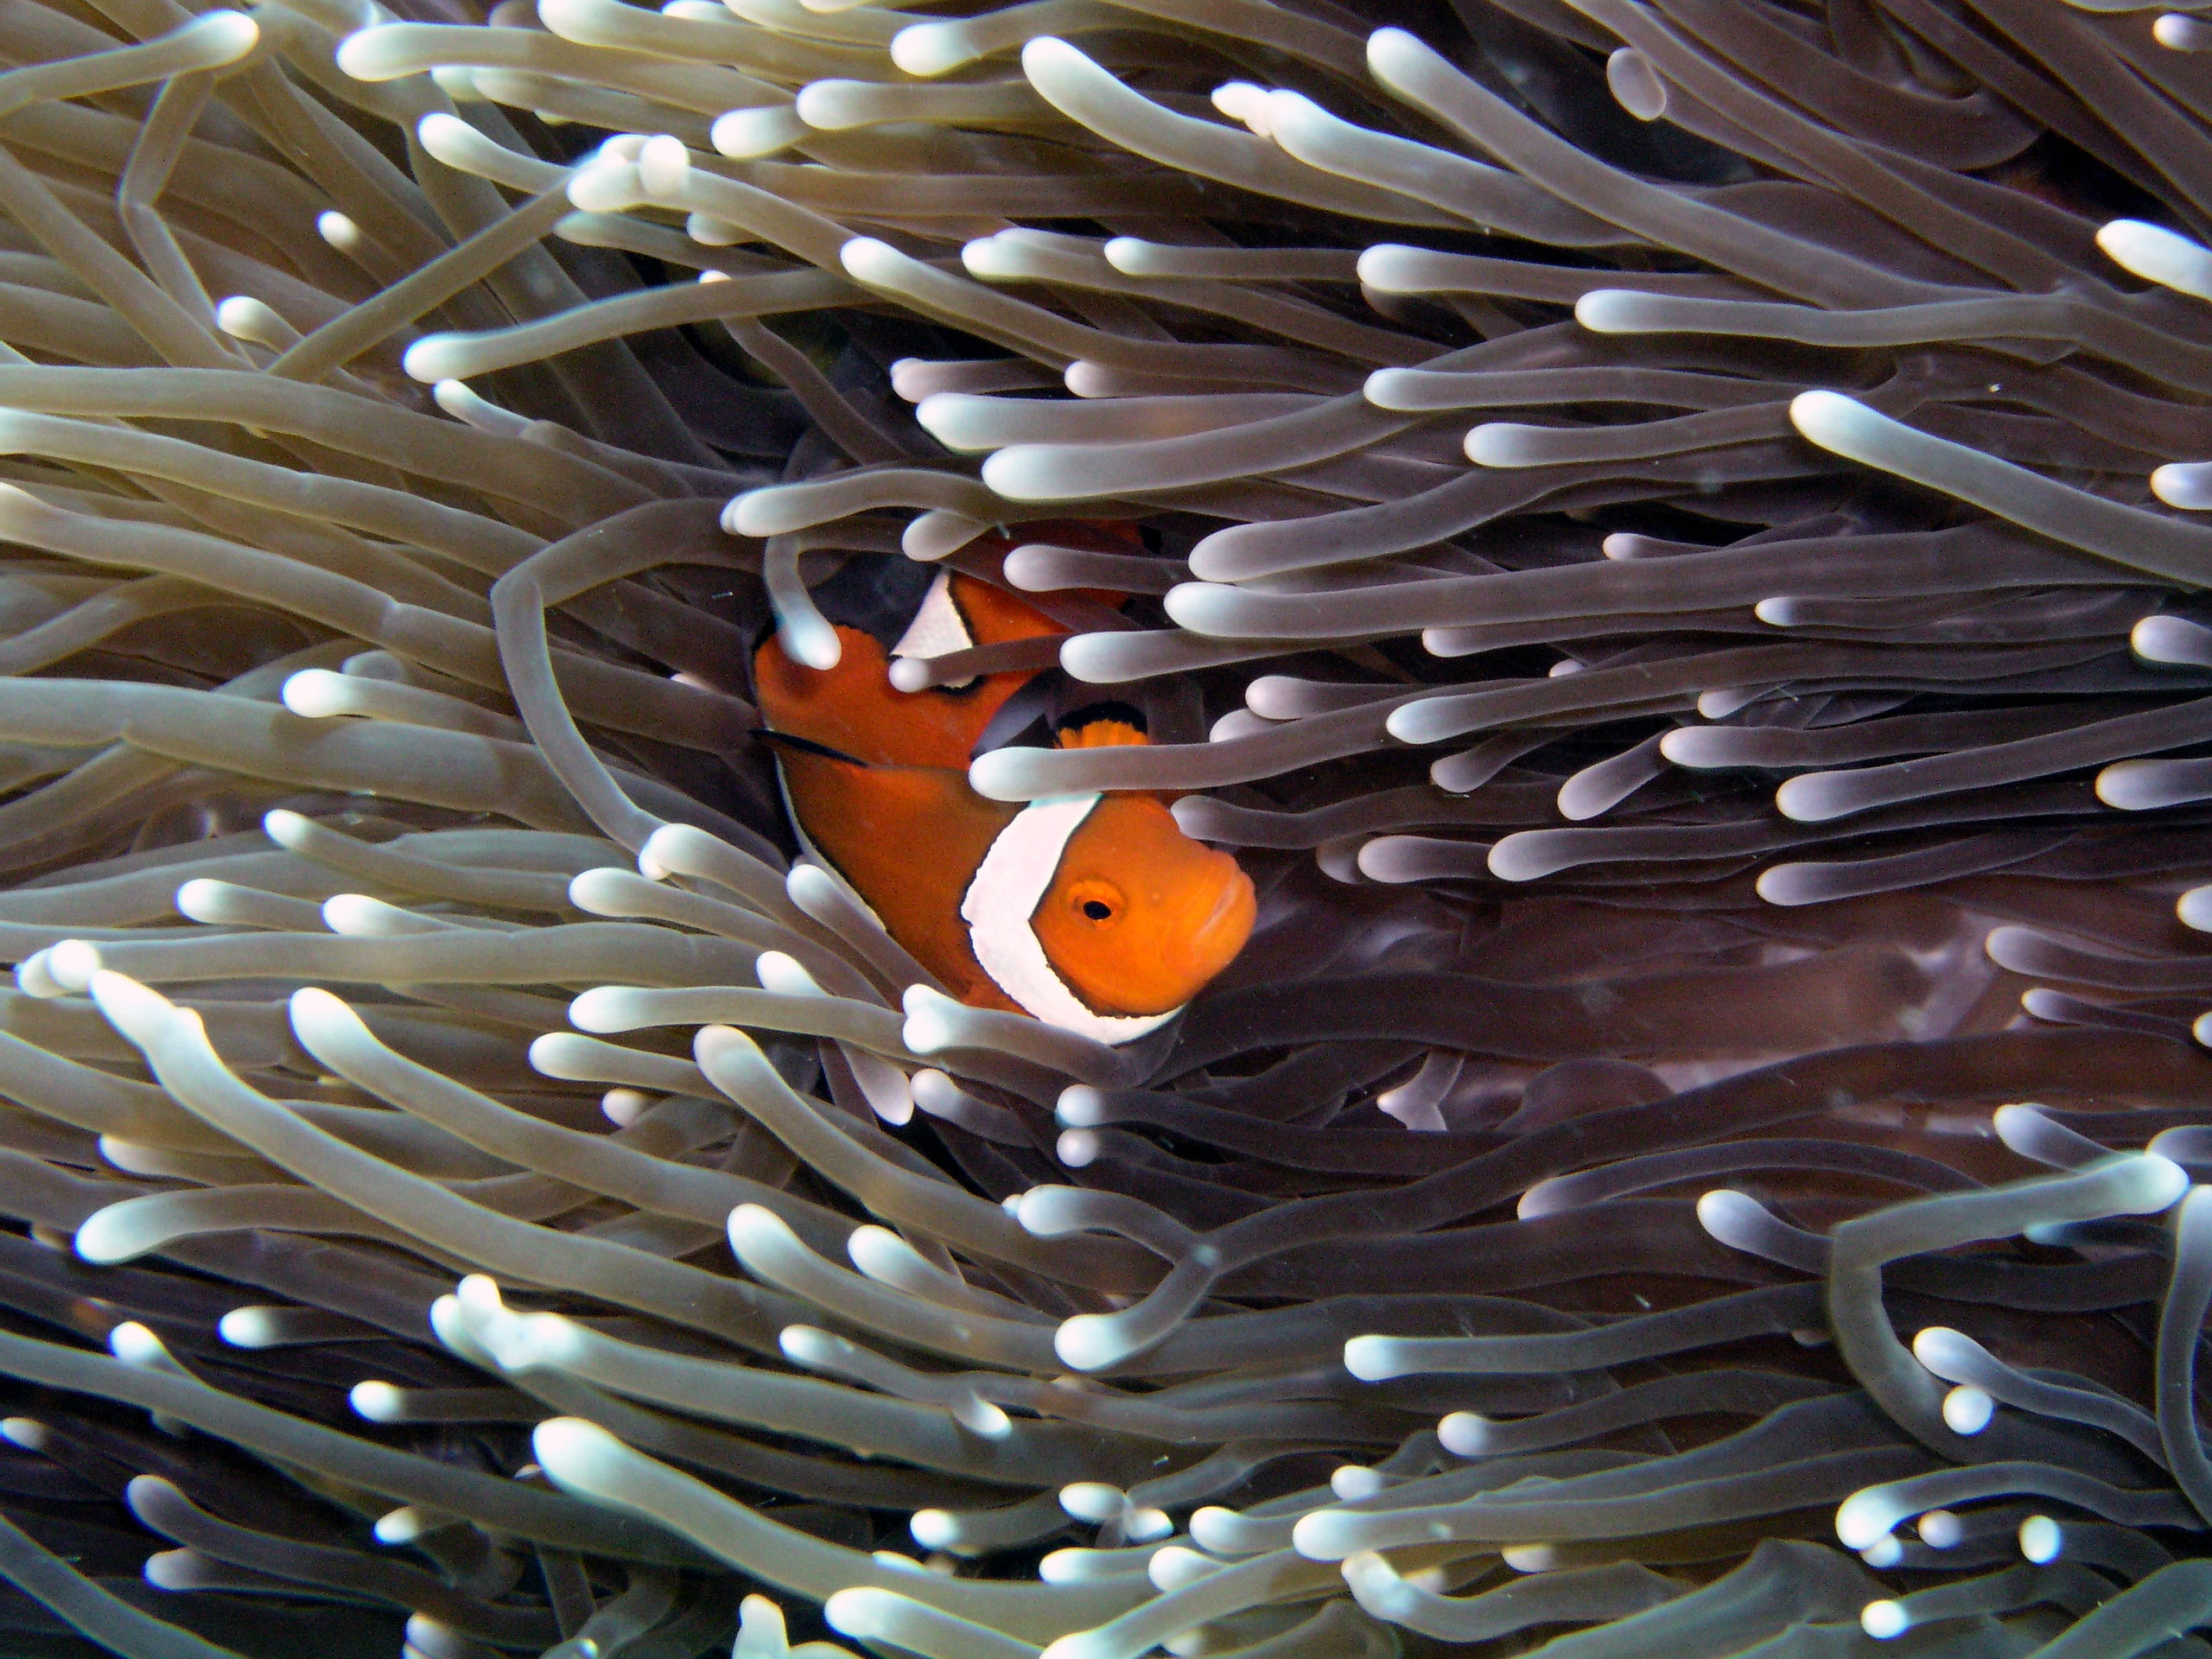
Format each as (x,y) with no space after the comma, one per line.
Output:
(1661,537)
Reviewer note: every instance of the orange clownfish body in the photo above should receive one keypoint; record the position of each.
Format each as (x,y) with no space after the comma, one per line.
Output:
(1092,911)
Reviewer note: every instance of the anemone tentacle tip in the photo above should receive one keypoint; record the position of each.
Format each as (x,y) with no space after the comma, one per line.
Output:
(1090,1342)
(1826,417)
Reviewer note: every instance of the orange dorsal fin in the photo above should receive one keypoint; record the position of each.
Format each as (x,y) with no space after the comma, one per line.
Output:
(1103,733)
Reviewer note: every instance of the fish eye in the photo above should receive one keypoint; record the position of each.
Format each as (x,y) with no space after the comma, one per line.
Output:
(1096,902)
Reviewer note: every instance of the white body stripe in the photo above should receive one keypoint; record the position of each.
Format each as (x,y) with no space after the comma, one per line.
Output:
(937,629)
(1008,884)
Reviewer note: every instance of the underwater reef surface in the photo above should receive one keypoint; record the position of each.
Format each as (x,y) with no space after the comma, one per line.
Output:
(1661,536)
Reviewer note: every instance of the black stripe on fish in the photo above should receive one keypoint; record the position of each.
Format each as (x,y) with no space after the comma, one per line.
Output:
(805,746)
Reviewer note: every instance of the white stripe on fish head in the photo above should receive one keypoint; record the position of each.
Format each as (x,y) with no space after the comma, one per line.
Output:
(1007,887)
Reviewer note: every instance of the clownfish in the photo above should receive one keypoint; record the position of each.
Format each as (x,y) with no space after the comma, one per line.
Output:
(1095,912)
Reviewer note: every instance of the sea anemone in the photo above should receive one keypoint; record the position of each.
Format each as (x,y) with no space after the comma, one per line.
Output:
(1662,535)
